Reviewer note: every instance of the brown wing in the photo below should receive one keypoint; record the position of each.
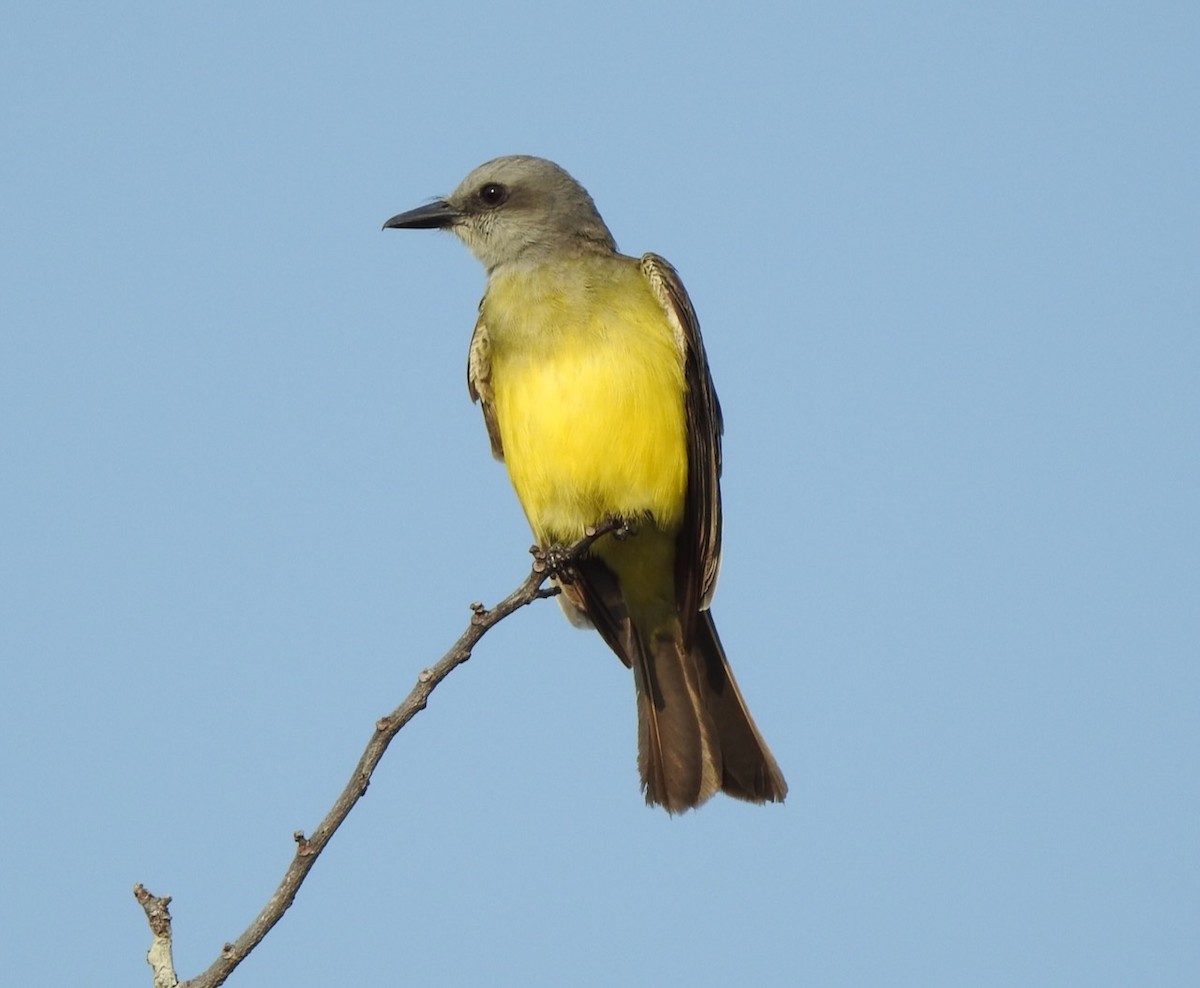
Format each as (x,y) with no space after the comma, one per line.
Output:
(479,384)
(698,553)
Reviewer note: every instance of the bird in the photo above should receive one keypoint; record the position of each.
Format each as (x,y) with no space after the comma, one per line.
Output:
(596,395)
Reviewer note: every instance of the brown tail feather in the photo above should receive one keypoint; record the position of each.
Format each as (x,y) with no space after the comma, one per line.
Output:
(679,752)
(695,735)
(748,769)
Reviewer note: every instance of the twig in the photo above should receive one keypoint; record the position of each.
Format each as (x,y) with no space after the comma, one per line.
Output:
(159,917)
(547,563)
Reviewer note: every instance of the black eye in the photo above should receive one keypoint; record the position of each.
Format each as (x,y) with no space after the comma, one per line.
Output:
(493,194)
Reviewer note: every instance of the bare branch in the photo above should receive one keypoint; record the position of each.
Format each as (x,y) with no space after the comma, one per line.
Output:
(160,959)
(547,563)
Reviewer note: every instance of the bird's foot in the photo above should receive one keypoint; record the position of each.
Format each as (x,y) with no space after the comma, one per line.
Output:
(618,527)
(557,559)
(553,560)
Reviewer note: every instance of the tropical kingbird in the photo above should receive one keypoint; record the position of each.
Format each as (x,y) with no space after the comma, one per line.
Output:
(596,394)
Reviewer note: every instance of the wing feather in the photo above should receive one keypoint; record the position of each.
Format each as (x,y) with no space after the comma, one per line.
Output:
(479,384)
(698,553)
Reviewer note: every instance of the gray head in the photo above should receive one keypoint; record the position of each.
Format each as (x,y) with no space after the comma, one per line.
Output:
(516,209)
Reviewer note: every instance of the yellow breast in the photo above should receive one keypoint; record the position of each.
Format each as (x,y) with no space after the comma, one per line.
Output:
(589,395)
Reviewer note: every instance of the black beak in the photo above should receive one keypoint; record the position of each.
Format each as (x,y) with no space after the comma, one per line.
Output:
(436,215)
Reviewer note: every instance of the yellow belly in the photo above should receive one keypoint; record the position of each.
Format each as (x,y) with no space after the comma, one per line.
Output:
(589,391)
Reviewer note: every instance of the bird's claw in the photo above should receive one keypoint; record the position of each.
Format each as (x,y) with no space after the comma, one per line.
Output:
(557,559)
(553,560)
(616,526)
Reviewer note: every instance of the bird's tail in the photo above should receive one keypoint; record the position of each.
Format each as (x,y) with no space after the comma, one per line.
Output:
(695,734)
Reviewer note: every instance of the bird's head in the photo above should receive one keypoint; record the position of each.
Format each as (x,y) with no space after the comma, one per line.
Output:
(514,210)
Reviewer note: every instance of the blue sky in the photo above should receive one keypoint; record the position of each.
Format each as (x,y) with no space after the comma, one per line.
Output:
(946,260)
